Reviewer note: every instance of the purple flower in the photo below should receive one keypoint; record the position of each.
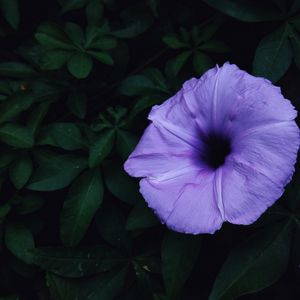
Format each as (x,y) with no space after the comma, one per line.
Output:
(221,149)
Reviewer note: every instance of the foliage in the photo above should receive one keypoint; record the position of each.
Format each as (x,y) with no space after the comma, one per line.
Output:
(77,80)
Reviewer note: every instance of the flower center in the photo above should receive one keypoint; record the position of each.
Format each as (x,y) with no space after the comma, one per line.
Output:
(216,148)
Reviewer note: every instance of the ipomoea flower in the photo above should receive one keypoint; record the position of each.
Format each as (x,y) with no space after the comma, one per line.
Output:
(222,149)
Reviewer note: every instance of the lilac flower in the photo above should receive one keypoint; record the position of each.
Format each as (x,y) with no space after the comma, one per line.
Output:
(221,149)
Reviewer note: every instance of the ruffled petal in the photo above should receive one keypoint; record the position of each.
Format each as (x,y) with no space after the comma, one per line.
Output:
(186,204)
(247,193)
(261,104)
(271,150)
(161,155)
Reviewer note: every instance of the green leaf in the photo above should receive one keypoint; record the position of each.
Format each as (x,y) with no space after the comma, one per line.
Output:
(36,116)
(19,240)
(16,136)
(125,143)
(141,217)
(178,62)
(80,65)
(295,41)
(147,281)
(77,104)
(55,171)
(133,29)
(179,255)
(4,211)
(104,43)
(105,286)
(119,183)
(201,62)
(54,59)
(255,264)
(72,5)
(111,225)
(52,36)
(94,12)
(16,70)
(10,10)
(246,10)
(214,46)
(76,262)
(174,42)
(6,158)
(273,55)
(64,135)
(14,105)
(137,84)
(75,33)
(29,203)
(20,171)
(83,200)
(102,57)
(101,147)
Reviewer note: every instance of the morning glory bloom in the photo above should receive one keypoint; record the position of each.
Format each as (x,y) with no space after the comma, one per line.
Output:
(222,149)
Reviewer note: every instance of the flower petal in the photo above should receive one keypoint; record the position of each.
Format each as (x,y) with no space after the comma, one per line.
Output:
(271,150)
(186,204)
(247,193)
(258,106)
(161,155)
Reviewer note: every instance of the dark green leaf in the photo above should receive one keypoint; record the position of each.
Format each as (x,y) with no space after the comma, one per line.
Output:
(75,33)
(64,135)
(52,36)
(14,105)
(273,55)
(6,158)
(255,264)
(19,240)
(29,204)
(54,59)
(76,262)
(80,65)
(111,225)
(141,217)
(101,147)
(77,104)
(104,286)
(295,41)
(83,200)
(4,211)
(148,282)
(36,116)
(174,42)
(179,254)
(16,136)
(20,171)
(214,46)
(246,10)
(55,171)
(104,43)
(125,143)
(179,61)
(201,62)
(16,70)
(94,12)
(134,85)
(72,5)
(119,183)
(133,29)
(102,57)
(10,10)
